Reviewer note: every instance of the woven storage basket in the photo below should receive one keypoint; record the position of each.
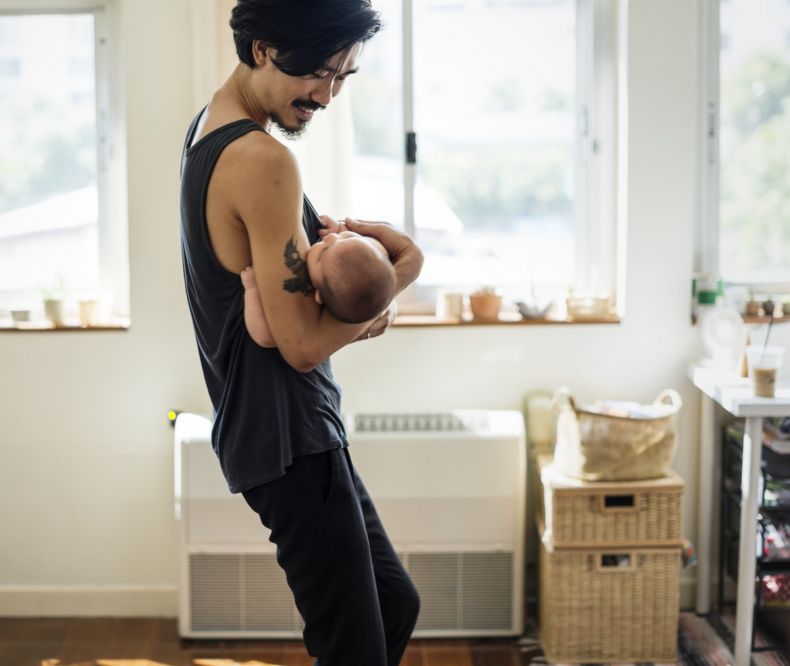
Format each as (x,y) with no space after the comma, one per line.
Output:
(602,447)
(593,612)
(590,514)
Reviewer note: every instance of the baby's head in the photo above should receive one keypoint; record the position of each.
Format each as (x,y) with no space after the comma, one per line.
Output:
(353,276)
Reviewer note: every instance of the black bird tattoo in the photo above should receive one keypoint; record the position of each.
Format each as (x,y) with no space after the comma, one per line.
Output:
(300,282)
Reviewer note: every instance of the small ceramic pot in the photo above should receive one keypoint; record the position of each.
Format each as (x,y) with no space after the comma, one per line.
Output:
(753,308)
(485,306)
(53,310)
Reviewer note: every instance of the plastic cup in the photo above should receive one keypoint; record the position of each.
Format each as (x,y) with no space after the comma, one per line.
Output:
(764,364)
(87,312)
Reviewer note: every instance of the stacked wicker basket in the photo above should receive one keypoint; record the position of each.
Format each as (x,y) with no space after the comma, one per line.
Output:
(609,563)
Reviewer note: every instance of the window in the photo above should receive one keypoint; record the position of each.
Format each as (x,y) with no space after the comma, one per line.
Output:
(513,181)
(747,224)
(58,160)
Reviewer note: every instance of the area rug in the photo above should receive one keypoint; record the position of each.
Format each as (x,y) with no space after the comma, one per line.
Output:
(148,662)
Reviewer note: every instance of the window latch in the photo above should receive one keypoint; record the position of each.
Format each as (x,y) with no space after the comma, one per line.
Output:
(411,148)
(712,132)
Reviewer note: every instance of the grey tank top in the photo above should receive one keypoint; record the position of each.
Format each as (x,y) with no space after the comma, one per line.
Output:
(265,413)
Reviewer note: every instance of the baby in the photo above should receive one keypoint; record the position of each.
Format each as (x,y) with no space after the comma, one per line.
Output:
(352,275)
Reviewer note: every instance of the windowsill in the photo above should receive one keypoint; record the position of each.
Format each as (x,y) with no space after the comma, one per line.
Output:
(119,324)
(764,319)
(755,319)
(417,321)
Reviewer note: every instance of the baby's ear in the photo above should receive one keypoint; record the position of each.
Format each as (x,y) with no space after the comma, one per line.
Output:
(318,298)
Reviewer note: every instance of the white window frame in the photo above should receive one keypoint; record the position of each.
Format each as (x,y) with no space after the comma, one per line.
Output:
(706,255)
(110,139)
(601,129)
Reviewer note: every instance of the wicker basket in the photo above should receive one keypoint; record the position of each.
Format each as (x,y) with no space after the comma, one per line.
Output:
(627,513)
(593,611)
(595,446)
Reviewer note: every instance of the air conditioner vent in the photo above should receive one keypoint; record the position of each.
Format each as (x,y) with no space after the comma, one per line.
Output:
(463,591)
(416,422)
(240,592)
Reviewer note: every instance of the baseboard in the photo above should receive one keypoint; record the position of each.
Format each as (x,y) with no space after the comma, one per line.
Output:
(88,600)
(134,600)
(688,592)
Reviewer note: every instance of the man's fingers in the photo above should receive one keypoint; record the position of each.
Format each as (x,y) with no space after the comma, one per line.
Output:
(382,322)
(367,223)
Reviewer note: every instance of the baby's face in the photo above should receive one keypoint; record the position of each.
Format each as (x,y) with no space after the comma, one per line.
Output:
(333,246)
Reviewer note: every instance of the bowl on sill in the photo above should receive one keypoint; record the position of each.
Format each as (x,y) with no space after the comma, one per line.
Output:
(531,311)
(20,316)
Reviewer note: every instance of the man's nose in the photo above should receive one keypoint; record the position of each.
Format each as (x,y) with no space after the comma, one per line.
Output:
(324,93)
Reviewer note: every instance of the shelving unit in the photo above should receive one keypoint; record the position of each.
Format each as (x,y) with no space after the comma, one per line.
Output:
(774,508)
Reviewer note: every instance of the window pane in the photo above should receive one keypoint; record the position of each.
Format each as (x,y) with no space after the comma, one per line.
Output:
(377,109)
(48,191)
(755,141)
(494,115)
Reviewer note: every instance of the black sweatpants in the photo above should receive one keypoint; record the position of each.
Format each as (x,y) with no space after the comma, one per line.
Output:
(356,599)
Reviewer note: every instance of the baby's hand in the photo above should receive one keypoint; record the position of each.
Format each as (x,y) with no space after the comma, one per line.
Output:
(248,278)
(254,316)
(331,226)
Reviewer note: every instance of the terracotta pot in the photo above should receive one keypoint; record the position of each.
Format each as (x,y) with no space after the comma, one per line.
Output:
(753,308)
(485,306)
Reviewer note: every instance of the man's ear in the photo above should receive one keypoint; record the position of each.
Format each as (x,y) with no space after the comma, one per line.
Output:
(260,52)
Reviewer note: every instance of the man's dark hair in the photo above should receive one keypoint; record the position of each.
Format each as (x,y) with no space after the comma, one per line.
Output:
(305,33)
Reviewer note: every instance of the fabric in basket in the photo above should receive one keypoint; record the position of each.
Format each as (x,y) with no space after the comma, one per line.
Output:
(597,445)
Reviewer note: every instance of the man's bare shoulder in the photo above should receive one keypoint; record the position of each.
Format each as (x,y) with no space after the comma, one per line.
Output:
(258,153)
(258,179)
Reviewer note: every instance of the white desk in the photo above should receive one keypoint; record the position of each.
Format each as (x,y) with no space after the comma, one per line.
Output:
(734,394)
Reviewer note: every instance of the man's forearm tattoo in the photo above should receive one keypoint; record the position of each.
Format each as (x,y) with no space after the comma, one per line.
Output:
(300,282)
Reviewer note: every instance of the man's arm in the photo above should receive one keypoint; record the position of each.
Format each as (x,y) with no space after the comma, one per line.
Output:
(265,192)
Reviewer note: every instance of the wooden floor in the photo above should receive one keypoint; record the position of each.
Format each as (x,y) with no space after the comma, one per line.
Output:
(84,641)
(26,642)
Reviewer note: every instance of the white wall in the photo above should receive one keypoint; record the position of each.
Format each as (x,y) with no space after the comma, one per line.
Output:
(86,475)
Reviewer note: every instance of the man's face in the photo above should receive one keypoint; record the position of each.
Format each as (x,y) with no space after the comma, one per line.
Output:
(296,98)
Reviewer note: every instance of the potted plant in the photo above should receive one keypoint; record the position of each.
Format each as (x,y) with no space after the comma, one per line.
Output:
(485,304)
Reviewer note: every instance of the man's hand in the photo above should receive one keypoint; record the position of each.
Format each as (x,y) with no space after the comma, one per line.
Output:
(406,257)
(381,323)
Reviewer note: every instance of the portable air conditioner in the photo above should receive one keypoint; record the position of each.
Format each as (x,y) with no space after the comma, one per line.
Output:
(450,491)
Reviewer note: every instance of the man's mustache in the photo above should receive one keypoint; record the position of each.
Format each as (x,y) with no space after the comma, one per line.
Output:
(309,105)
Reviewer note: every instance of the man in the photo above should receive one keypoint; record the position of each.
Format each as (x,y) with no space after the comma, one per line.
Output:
(277,428)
